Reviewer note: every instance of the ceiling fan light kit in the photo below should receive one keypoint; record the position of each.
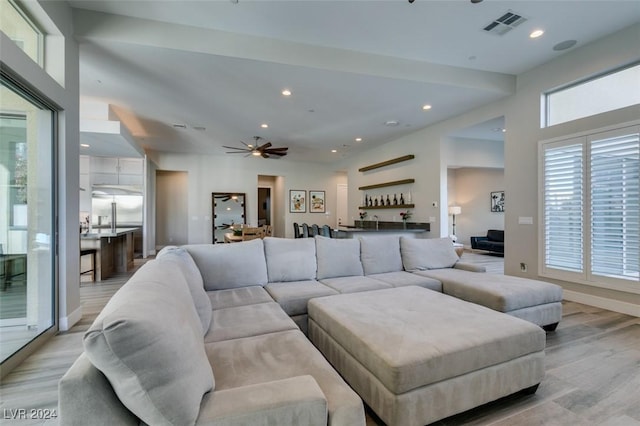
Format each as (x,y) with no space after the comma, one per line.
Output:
(257,150)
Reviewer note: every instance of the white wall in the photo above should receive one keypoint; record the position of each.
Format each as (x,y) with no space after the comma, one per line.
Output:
(470,189)
(211,173)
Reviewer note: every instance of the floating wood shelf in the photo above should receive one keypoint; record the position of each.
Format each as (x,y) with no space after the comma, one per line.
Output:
(397,206)
(387,163)
(382,185)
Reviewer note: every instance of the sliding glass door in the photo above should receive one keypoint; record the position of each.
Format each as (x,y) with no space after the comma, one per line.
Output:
(27,242)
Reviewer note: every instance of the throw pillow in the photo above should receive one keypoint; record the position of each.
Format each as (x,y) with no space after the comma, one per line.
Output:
(147,341)
(419,254)
(290,259)
(338,257)
(380,254)
(180,260)
(234,265)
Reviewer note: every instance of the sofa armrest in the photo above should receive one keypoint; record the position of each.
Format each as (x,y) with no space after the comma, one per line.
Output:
(288,402)
(469,267)
(86,396)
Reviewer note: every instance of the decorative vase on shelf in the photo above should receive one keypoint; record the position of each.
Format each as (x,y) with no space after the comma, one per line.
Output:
(404,224)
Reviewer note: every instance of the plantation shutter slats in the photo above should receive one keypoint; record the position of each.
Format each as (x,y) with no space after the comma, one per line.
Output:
(615,206)
(563,201)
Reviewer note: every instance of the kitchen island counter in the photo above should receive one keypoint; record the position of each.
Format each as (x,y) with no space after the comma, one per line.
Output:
(114,249)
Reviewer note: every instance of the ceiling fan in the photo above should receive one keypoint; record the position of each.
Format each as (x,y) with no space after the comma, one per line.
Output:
(256,149)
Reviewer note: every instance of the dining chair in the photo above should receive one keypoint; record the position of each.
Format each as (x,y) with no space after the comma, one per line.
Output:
(305,230)
(251,233)
(314,230)
(268,230)
(296,230)
(326,231)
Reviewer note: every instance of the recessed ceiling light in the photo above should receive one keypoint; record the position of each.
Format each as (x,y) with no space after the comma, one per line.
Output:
(391,123)
(426,107)
(564,45)
(358,139)
(536,33)
(286,92)
(85,145)
(264,125)
(180,126)
(334,150)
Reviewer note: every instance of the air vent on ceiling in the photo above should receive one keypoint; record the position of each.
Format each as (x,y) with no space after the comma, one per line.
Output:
(502,25)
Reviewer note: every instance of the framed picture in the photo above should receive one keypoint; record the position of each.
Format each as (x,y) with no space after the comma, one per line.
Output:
(316,202)
(297,201)
(497,201)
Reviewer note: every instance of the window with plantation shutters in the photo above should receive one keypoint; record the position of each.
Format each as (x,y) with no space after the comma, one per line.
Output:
(563,206)
(615,222)
(590,208)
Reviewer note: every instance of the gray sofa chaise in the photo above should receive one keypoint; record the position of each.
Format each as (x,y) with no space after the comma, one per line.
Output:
(216,334)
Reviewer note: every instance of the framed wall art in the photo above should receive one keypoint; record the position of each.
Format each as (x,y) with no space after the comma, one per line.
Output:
(297,201)
(316,202)
(497,201)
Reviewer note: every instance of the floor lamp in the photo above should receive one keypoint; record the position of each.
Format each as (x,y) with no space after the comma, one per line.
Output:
(453,211)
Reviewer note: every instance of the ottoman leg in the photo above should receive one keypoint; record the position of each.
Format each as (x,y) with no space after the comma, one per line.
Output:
(550,327)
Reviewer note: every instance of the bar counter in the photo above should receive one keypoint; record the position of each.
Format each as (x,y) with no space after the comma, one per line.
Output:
(369,228)
(115,249)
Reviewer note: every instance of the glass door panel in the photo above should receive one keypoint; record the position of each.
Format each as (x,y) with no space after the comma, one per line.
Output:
(27,290)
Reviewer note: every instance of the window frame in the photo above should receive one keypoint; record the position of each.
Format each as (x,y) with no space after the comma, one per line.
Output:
(545,103)
(585,277)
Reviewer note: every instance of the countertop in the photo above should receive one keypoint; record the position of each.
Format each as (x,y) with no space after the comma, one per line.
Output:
(97,233)
(354,229)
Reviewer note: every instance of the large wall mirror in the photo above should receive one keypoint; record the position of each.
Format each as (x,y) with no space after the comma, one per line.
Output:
(228,210)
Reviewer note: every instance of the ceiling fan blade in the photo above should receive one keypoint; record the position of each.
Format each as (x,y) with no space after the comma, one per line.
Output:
(276,153)
(236,152)
(247,145)
(264,146)
(264,155)
(284,148)
(234,147)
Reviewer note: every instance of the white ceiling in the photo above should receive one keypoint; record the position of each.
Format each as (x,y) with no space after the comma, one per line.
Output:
(351,65)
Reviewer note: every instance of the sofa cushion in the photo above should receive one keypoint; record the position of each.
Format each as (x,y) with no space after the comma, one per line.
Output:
(354,284)
(293,296)
(290,259)
(283,355)
(338,257)
(147,341)
(181,260)
(238,297)
(234,265)
(249,320)
(419,254)
(294,401)
(380,254)
(404,278)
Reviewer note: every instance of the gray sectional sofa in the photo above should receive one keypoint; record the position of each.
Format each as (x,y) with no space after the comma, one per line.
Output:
(216,334)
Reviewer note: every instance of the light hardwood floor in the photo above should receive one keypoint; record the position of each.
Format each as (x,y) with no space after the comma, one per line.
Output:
(592,364)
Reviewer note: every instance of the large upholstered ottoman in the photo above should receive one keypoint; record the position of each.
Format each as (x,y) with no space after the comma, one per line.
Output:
(416,356)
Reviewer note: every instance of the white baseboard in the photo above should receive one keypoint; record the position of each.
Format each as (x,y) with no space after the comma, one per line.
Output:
(69,321)
(602,302)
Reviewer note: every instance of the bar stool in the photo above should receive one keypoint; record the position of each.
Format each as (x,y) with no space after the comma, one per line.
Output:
(92,271)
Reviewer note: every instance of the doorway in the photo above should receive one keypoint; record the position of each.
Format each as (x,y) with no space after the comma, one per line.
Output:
(171,208)
(264,206)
